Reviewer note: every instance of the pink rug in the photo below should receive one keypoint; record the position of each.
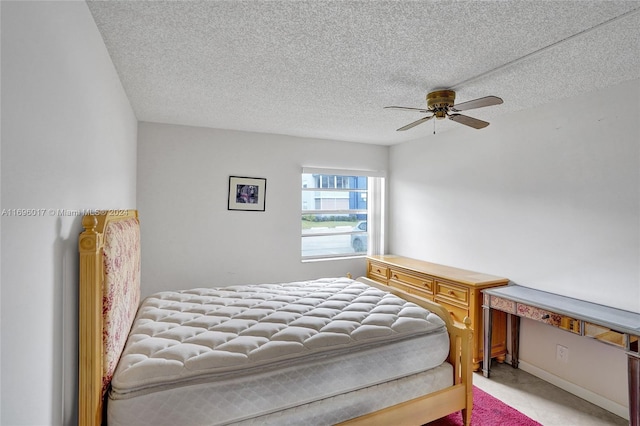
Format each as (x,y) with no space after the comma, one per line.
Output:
(487,411)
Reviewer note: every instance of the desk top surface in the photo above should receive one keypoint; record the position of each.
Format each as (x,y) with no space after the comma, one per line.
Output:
(617,319)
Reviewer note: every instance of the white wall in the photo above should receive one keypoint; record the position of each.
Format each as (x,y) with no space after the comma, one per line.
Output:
(68,142)
(189,238)
(548,197)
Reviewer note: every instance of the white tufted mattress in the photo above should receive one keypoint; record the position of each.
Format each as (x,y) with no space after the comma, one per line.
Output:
(241,353)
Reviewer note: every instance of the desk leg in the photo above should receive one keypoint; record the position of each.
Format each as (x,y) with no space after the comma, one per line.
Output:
(634,388)
(487,322)
(515,339)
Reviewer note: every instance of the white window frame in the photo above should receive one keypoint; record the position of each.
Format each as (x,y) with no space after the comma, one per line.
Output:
(375,211)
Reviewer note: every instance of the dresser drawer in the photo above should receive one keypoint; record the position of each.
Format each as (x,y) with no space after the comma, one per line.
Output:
(424,283)
(453,293)
(501,304)
(410,289)
(610,336)
(548,317)
(457,313)
(378,272)
(538,314)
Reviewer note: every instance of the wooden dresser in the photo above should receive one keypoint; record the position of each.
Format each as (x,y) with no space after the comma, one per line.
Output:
(458,290)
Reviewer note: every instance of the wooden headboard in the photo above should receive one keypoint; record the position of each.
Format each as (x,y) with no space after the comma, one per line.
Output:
(109,295)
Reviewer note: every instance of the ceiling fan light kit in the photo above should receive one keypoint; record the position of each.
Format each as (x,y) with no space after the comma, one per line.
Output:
(441,104)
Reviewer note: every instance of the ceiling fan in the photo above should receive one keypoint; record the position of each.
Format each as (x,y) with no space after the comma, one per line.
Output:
(441,105)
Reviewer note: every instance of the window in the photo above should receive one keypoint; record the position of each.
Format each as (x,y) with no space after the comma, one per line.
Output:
(340,211)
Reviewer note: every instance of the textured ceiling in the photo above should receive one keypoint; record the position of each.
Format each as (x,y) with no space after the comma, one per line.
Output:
(326,69)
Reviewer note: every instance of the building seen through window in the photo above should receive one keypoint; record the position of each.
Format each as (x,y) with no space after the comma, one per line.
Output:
(334,215)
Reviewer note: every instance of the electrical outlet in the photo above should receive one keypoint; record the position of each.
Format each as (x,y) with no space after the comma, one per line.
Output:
(562,353)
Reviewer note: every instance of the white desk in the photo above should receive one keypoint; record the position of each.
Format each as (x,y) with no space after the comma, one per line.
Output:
(603,323)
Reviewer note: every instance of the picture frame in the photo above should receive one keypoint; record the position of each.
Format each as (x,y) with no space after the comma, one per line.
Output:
(247,193)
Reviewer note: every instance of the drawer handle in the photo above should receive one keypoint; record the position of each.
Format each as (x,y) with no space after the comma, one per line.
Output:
(451,313)
(378,271)
(451,293)
(395,276)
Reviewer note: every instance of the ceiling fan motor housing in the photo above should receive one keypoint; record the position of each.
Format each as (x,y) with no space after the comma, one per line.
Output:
(440,101)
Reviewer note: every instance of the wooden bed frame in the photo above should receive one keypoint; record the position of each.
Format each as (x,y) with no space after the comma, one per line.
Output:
(91,396)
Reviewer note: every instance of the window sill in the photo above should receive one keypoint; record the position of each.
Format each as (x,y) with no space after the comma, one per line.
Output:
(323,259)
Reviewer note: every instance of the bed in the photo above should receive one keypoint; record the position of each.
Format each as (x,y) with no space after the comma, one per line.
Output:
(322,351)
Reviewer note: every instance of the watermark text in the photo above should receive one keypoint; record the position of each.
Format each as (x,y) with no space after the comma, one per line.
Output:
(28,212)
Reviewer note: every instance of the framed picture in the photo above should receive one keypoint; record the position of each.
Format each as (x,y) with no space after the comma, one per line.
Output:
(246,193)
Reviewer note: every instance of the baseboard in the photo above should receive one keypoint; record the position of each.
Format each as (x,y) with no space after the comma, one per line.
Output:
(599,400)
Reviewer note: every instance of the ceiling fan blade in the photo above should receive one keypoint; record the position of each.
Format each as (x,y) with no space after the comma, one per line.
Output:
(422,110)
(468,121)
(477,103)
(415,123)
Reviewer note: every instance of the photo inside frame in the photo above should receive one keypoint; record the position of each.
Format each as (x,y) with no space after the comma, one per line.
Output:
(249,194)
